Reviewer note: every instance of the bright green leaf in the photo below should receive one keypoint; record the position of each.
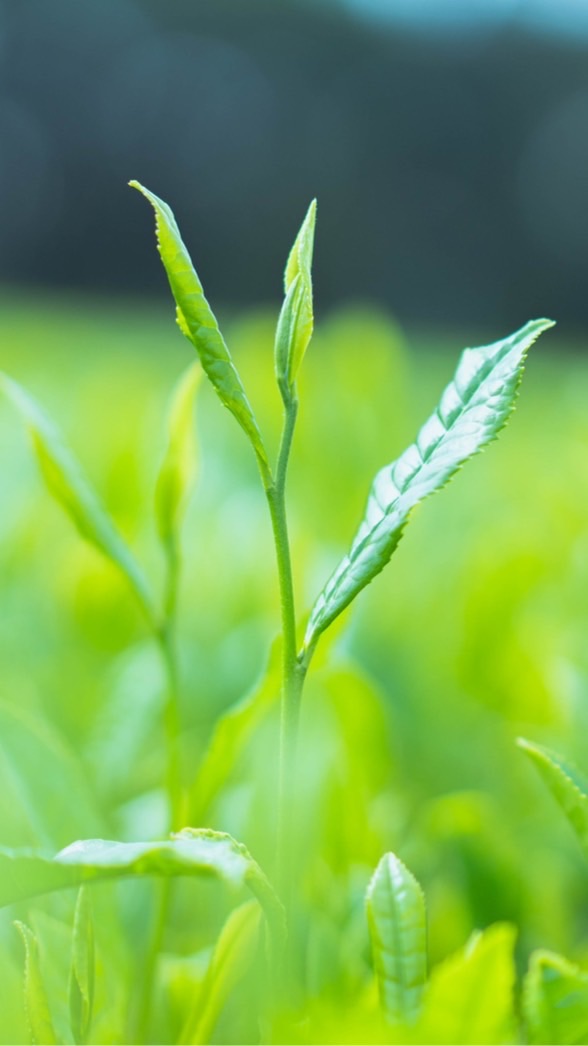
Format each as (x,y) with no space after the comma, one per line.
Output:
(197,321)
(177,469)
(36,1004)
(555,1001)
(397,922)
(191,852)
(233,954)
(81,982)
(472,411)
(67,484)
(469,999)
(296,320)
(566,785)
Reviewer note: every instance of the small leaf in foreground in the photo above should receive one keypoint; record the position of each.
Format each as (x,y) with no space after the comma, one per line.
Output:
(36,1004)
(198,322)
(81,982)
(67,484)
(233,954)
(469,999)
(566,785)
(473,409)
(397,922)
(555,1001)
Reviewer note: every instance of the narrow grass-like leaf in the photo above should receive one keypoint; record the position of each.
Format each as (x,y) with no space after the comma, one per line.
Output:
(233,732)
(233,954)
(472,411)
(197,321)
(36,1004)
(555,1001)
(191,852)
(566,785)
(68,485)
(176,473)
(296,320)
(397,922)
(81,981)
(469,999)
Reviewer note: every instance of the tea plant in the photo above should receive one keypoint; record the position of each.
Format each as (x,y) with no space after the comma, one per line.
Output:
(472,410)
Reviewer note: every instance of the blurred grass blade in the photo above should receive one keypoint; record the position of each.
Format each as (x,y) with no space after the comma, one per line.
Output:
(296,320)
(555,1001)
(197,321)
(232,733)
(177,470)
(38,777)
(473,409)
(233,954)
(191,852)
(469,999)
(67,484)
(566,785)
(397,922)
(81,982)
(36,1004)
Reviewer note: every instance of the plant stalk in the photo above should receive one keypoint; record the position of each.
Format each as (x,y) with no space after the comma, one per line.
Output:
(293,671)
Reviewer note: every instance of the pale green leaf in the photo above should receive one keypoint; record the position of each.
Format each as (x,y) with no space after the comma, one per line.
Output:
(197,321)
(555,1001)
(81,981)
(397,922)
(36,1004)
(176,473)
(232,733)
(68,485)
(233,954)
(191,852)
(38,777)
(469,999)
(296,320)
(472,411)
(566,785)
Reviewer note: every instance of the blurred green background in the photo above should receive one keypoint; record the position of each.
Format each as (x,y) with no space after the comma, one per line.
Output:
(447,145)
(475,634)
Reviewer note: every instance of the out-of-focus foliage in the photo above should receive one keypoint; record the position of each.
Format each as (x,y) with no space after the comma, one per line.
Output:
(475,635)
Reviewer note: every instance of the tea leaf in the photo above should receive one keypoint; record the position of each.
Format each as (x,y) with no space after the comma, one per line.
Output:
(233,954)
(191,852)
(177,469)
(555,1001)
(36,1004)
(81,983)
(566,785)
(470,996)
(67,484)
(397,922)
(197,321)
(472,411)
(296,320)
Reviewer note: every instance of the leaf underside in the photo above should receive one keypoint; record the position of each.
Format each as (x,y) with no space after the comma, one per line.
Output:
(192,852)
(397,922)
(473,409)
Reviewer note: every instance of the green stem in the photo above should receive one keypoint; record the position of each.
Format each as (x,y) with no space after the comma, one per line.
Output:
(293,671)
